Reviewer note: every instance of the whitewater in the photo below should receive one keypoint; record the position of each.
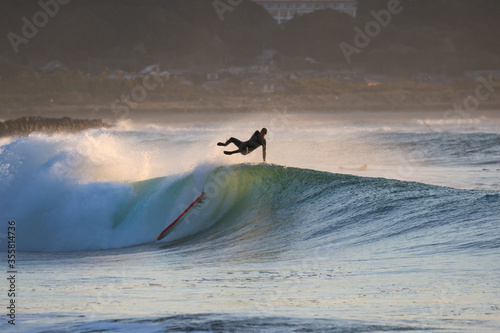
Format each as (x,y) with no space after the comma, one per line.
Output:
(359,222)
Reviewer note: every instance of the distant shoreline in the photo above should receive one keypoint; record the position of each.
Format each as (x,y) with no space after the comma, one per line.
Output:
(390,101)
(24,126)
(75,118)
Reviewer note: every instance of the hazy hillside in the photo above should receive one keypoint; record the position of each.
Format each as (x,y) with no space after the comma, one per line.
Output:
(435,35)
(177,32)
(441,36)
(317,35)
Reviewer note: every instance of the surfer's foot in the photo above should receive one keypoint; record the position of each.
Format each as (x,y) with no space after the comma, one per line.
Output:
(228,153)
(221,144)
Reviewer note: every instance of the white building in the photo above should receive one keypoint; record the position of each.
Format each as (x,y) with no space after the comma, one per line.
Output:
(284,10)
(481,75)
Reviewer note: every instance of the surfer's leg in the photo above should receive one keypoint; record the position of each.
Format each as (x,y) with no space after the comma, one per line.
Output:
(232,152)
(231,140)
(243,150)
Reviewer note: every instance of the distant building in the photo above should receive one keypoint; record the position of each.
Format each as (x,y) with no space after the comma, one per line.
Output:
(212,76)
(284,10)
(55,66)
(150,69)
(266,57)
(481,75)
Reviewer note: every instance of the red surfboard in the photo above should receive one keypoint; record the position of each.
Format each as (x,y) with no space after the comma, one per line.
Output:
(169,229)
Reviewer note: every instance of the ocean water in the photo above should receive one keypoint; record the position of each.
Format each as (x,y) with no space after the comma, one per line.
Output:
(355,224)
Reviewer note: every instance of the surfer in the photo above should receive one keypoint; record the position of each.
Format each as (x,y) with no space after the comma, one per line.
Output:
(247,147)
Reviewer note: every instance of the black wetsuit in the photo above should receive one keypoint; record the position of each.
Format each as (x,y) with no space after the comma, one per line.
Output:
(247,147)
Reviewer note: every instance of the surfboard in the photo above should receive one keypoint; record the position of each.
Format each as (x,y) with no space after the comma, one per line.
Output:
(169,229)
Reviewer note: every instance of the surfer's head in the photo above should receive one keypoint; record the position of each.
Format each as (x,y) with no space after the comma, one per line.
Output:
(263,131)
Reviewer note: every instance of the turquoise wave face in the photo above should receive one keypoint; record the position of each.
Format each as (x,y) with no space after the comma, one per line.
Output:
(275,208)
(271,207)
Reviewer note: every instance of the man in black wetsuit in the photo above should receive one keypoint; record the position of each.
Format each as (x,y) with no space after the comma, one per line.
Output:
(247,147)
